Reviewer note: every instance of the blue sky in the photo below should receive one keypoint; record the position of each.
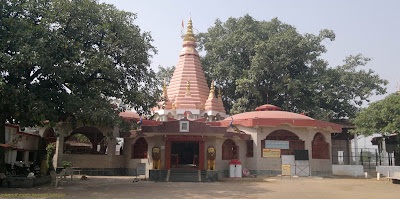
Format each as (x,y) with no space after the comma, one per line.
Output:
(368,27)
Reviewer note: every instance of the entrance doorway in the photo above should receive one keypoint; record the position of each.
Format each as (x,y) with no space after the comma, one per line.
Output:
(195,146)
(185,155)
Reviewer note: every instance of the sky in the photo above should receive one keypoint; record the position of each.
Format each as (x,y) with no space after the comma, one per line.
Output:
(368,27)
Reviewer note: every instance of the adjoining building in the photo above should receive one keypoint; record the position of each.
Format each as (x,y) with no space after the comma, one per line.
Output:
(21,145)
(388,149)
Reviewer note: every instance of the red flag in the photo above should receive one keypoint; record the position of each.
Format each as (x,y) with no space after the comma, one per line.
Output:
(185,114)
(182,24)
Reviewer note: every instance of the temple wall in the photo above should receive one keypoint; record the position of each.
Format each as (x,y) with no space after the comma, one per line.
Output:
(272,166)
(251,163)
(223,165)
(131,164)
(93,161)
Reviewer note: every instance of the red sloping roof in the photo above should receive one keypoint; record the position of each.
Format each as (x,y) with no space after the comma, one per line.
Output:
(5,145)
(171,119)
(276,118)
(151,122)
(129,115)
(269,115)
(253,122)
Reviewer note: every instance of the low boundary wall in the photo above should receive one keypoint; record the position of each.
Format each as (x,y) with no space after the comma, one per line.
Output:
(385,169)
(348,170)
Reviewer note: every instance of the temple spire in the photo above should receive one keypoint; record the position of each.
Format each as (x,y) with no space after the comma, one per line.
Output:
(189,36)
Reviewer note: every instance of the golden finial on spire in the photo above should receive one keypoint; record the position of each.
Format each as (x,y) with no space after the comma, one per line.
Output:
(164,89)
(188,87)
(189,36)
(212,91)
(398,87)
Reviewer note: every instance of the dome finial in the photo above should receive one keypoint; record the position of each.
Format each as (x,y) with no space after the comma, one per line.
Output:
(189,36)
(212,91)
(398,87)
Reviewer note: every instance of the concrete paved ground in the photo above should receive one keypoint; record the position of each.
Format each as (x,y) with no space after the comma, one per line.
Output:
(261,187)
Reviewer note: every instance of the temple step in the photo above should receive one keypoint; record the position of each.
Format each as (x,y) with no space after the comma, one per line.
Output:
(185,176)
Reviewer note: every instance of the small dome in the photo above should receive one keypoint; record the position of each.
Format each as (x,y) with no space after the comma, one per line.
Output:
(269,115)
(268,107)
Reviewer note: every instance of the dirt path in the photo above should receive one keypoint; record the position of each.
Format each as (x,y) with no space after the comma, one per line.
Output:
(298,188)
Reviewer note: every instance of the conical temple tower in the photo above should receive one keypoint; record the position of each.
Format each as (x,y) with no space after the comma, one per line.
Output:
(188,91)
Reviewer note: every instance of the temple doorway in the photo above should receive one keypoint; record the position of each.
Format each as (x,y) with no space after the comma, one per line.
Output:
(184,155)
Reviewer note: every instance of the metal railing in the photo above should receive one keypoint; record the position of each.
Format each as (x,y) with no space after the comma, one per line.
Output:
(368,157)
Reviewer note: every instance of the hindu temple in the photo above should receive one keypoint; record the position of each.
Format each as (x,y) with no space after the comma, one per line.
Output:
(193,139)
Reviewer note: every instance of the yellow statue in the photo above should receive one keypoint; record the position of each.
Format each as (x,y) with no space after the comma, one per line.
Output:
(211,158)
(156,157)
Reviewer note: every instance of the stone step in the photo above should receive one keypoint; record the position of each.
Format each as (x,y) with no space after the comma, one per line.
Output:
(185,175)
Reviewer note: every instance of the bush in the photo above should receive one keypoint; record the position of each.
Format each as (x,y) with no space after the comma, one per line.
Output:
(67,164)
(51,149)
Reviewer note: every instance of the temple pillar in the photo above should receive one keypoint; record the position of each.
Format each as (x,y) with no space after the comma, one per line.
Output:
(167,159)
(111,147)
(385,160)
(356,149)
(57,159)
(201,155)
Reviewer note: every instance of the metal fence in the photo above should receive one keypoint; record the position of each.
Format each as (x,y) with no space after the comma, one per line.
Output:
(368,157)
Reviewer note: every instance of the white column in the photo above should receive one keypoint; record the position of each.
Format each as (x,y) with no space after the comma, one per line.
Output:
(385,161)
(57,159)
(356,149)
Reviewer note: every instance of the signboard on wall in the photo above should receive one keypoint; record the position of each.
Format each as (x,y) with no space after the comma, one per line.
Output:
(271,153)
(275,144)
(286,170)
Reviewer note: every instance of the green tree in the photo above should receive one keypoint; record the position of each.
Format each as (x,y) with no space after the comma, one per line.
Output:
(51,150)
(165,74)
(252,59)
(381,117)
(63,60)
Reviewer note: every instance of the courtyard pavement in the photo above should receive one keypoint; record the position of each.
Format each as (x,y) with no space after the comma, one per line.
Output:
(260,187)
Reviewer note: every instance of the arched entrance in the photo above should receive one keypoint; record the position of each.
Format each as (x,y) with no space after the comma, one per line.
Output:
(295,143)
(184,152)
(320,148)
(49,136)
(292,151)
(90,138)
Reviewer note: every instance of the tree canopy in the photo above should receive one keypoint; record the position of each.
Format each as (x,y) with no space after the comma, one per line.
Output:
(381,117)
(165,74)
(252,59)
(63,60)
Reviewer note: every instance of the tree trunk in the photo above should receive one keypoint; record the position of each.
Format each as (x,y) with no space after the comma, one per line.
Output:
(2,141)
